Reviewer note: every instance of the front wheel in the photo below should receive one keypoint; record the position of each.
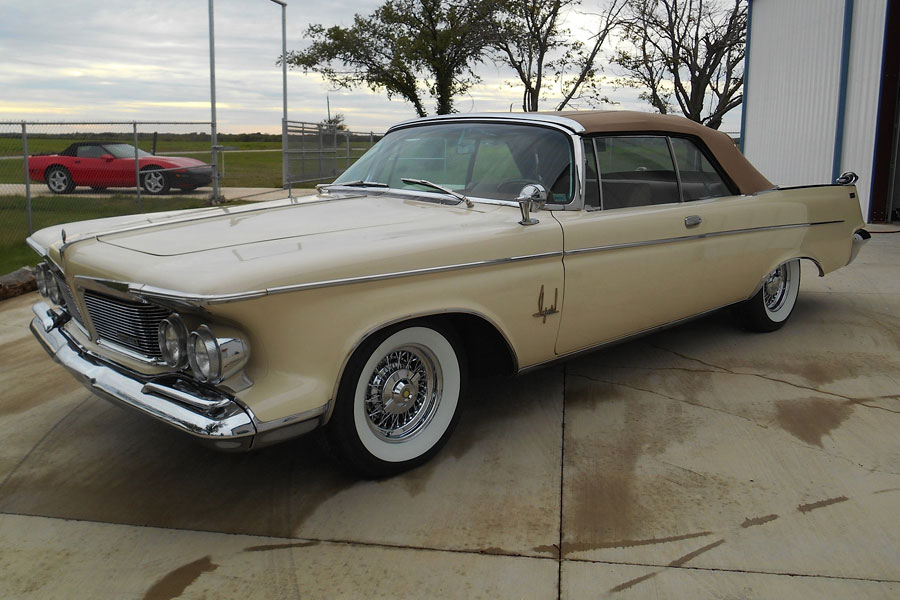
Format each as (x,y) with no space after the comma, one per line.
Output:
(59,180)
(770,308)
(154,182)
(398,400)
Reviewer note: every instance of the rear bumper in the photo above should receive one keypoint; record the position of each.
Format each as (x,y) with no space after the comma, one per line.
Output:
(209,415)
(859,240)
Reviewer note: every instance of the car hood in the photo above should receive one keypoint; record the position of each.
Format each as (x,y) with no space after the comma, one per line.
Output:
(290,242)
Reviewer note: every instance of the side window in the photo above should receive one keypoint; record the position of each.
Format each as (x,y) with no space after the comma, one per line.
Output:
(699,179)
(591,184)
(90,151)
(636,171)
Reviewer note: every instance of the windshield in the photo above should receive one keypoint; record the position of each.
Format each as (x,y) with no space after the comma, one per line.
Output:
(124,150)
(481,160)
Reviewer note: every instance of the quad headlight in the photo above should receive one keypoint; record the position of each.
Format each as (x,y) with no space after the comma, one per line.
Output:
(173,338)
(42,279)
(214,354)
(53,291)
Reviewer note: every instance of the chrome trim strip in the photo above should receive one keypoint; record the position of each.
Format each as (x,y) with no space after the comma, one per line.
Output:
(526,118)
(165,294)
(185,398)
(692,237)
(35,246)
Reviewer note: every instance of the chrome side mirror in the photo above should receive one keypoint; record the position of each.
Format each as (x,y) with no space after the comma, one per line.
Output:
(532,197)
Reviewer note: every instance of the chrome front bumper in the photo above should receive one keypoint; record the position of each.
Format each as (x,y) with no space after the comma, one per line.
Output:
(213,417)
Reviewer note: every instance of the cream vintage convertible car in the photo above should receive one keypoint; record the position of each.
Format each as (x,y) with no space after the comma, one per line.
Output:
(457,244)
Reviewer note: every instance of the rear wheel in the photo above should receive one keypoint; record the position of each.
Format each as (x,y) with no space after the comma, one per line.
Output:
(59,180)
(154,181)
(398,400)
(770,308)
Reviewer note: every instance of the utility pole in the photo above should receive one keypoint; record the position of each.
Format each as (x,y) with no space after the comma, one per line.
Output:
(212,94)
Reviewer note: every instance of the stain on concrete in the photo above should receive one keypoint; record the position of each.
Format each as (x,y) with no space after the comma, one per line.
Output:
(120,467)
(634,543)
(805,508)
(810,419)
(692,555)
(552,550)
(632,582)
(268,547)
(28,361)
(495,551)
(617,487)
(175,583)
(678,562)
(886,491)
(748,522)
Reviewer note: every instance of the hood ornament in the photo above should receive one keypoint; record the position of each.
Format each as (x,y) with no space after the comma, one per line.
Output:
(63,236)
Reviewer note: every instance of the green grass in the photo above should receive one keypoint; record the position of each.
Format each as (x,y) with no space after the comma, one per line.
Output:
(46,211)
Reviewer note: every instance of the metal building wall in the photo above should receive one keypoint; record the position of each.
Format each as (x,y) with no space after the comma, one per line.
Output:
(791,96)
(793,88)
(861,117)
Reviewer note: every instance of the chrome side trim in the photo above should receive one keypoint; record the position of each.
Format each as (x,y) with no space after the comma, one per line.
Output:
(149,291)
(35,246)
(693,237)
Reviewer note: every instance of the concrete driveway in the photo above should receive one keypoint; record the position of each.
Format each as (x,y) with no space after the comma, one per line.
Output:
(702,462)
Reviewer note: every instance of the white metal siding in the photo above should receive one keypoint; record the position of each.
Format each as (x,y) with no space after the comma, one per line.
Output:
(862,94)
(792,94)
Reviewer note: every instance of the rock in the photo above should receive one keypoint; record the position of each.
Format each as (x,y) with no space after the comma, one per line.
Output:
(17,283)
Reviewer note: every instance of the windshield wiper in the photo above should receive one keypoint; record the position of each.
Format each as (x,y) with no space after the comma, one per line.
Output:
(357,183)
(435,186)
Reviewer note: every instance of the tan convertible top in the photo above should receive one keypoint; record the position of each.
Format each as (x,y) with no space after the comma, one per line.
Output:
(742,173)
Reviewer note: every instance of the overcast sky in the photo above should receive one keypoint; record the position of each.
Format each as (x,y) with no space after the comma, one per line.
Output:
(146,60)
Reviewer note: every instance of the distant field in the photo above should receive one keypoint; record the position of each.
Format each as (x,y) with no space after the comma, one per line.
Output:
(53,210)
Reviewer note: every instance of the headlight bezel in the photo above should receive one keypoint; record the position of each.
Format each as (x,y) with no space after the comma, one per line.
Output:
(177,359)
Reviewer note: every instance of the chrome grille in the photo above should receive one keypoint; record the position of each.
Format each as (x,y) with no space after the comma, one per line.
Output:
(132,325)
(68,298)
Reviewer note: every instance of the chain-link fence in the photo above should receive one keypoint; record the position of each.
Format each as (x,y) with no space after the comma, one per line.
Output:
(314,152)
(53,173)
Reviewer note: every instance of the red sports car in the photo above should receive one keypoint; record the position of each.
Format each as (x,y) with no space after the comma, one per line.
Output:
(111,164)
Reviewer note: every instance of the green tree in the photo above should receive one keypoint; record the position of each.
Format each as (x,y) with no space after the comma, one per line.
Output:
(407,48)
(336,122)
(690,50)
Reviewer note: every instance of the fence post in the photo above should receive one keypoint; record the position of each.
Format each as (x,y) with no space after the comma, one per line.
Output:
(321,148)
(285,184)
(27,179)
(348,151)
(137,168)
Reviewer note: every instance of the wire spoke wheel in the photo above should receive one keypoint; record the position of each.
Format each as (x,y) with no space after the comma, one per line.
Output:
(404,392)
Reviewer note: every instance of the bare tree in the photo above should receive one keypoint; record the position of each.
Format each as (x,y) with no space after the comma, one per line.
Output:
(689,50)
(528,37)
(583,59)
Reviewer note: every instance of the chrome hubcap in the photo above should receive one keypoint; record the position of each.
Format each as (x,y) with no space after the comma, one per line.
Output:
(775,288)
(403,393)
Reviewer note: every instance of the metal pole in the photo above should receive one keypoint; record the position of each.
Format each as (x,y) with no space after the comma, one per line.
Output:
(348,151)
(212,103)
(137,168)
(285,183)
(27,179)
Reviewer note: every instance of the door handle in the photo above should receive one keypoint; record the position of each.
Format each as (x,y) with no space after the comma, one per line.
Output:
(692,221)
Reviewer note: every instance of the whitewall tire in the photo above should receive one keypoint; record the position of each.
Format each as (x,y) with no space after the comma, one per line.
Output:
(398,400)
(770,308)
